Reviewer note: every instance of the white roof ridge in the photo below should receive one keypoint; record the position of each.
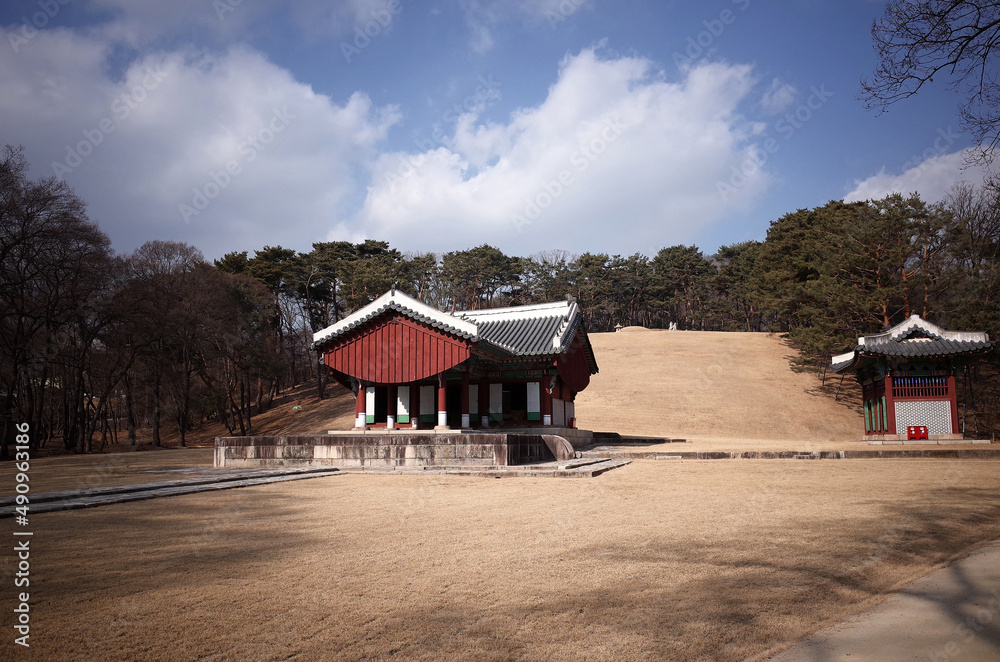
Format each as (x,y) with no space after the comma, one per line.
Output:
(397,300)
(528,308)
(559,341)
(899,332)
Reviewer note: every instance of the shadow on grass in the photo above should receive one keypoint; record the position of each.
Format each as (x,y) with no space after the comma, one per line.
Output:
(750,601)
(189,540)
(717,599)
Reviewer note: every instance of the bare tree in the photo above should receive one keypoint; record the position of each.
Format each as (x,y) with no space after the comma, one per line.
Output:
(55,268)
(920,40)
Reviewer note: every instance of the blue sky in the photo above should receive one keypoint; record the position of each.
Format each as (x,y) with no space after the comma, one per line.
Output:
(579,125)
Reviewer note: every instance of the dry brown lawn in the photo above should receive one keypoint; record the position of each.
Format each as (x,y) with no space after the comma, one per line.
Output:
(669,560)
(704,385)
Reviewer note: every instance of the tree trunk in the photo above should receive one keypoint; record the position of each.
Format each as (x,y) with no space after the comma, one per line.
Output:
(130,411)
(320,381)
(156,411)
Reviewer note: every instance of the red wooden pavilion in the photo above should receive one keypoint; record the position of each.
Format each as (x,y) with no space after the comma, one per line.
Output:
(411,365)
(907,374)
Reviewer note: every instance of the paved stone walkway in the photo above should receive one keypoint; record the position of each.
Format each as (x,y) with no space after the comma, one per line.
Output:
(101,496)
(951,615)
(579,468)
(225,479)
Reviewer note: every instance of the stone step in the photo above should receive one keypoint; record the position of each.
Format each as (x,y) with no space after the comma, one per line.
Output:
(75,501)
(221,475)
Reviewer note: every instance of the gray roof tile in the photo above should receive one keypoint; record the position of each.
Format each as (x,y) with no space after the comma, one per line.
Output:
(931,340)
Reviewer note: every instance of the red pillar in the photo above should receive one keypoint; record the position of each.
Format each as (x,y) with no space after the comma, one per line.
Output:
(415,405)
(953,398)
(442,402)
(390,420)
(359,407)
(890,406)
(543,392)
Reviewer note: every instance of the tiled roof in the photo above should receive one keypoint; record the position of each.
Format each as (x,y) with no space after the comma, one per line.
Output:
(838,363)
(545,329)
(925,347)
(930,340)
(396,300)
(535,330)
(915,324)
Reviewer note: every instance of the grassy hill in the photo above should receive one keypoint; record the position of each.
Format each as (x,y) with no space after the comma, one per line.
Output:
(709,385)
(687,384)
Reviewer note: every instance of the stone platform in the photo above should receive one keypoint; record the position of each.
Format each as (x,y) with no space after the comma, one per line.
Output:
(392,449)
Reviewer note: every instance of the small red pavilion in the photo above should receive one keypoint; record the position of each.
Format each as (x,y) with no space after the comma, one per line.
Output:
(907,375)
(413,366)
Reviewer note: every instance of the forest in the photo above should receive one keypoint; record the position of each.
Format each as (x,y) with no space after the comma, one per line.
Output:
(97,345)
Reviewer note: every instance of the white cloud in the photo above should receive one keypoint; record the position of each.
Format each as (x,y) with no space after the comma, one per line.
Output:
(778,97)
(139,148)
(612,145)
(931,177)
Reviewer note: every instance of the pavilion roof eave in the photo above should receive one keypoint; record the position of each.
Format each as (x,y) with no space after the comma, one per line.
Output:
(930,350)
(406,305)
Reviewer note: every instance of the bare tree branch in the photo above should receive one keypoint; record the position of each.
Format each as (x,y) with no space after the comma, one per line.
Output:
(920,40)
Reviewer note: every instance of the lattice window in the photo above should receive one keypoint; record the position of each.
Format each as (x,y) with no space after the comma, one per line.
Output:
(935,414)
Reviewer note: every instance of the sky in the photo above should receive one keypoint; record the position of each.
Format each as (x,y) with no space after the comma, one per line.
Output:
(608,126)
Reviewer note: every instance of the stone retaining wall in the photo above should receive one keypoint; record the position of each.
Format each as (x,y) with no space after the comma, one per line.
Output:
(368,450)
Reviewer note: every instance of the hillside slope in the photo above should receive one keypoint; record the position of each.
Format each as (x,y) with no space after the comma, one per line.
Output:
(709,385)
(698,385)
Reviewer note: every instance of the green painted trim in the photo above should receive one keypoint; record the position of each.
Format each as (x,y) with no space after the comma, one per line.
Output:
(885,415)
(427,418)
(403,418)
(534,415)
(496,418)
(868,411)
(369,418)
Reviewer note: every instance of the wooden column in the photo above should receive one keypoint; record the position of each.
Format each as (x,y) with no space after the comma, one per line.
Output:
(359,407)
(546,400)
(390,417)
(953,398)
(465,400)
(484,403)
(414,406)
(890,406)
(442,403)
